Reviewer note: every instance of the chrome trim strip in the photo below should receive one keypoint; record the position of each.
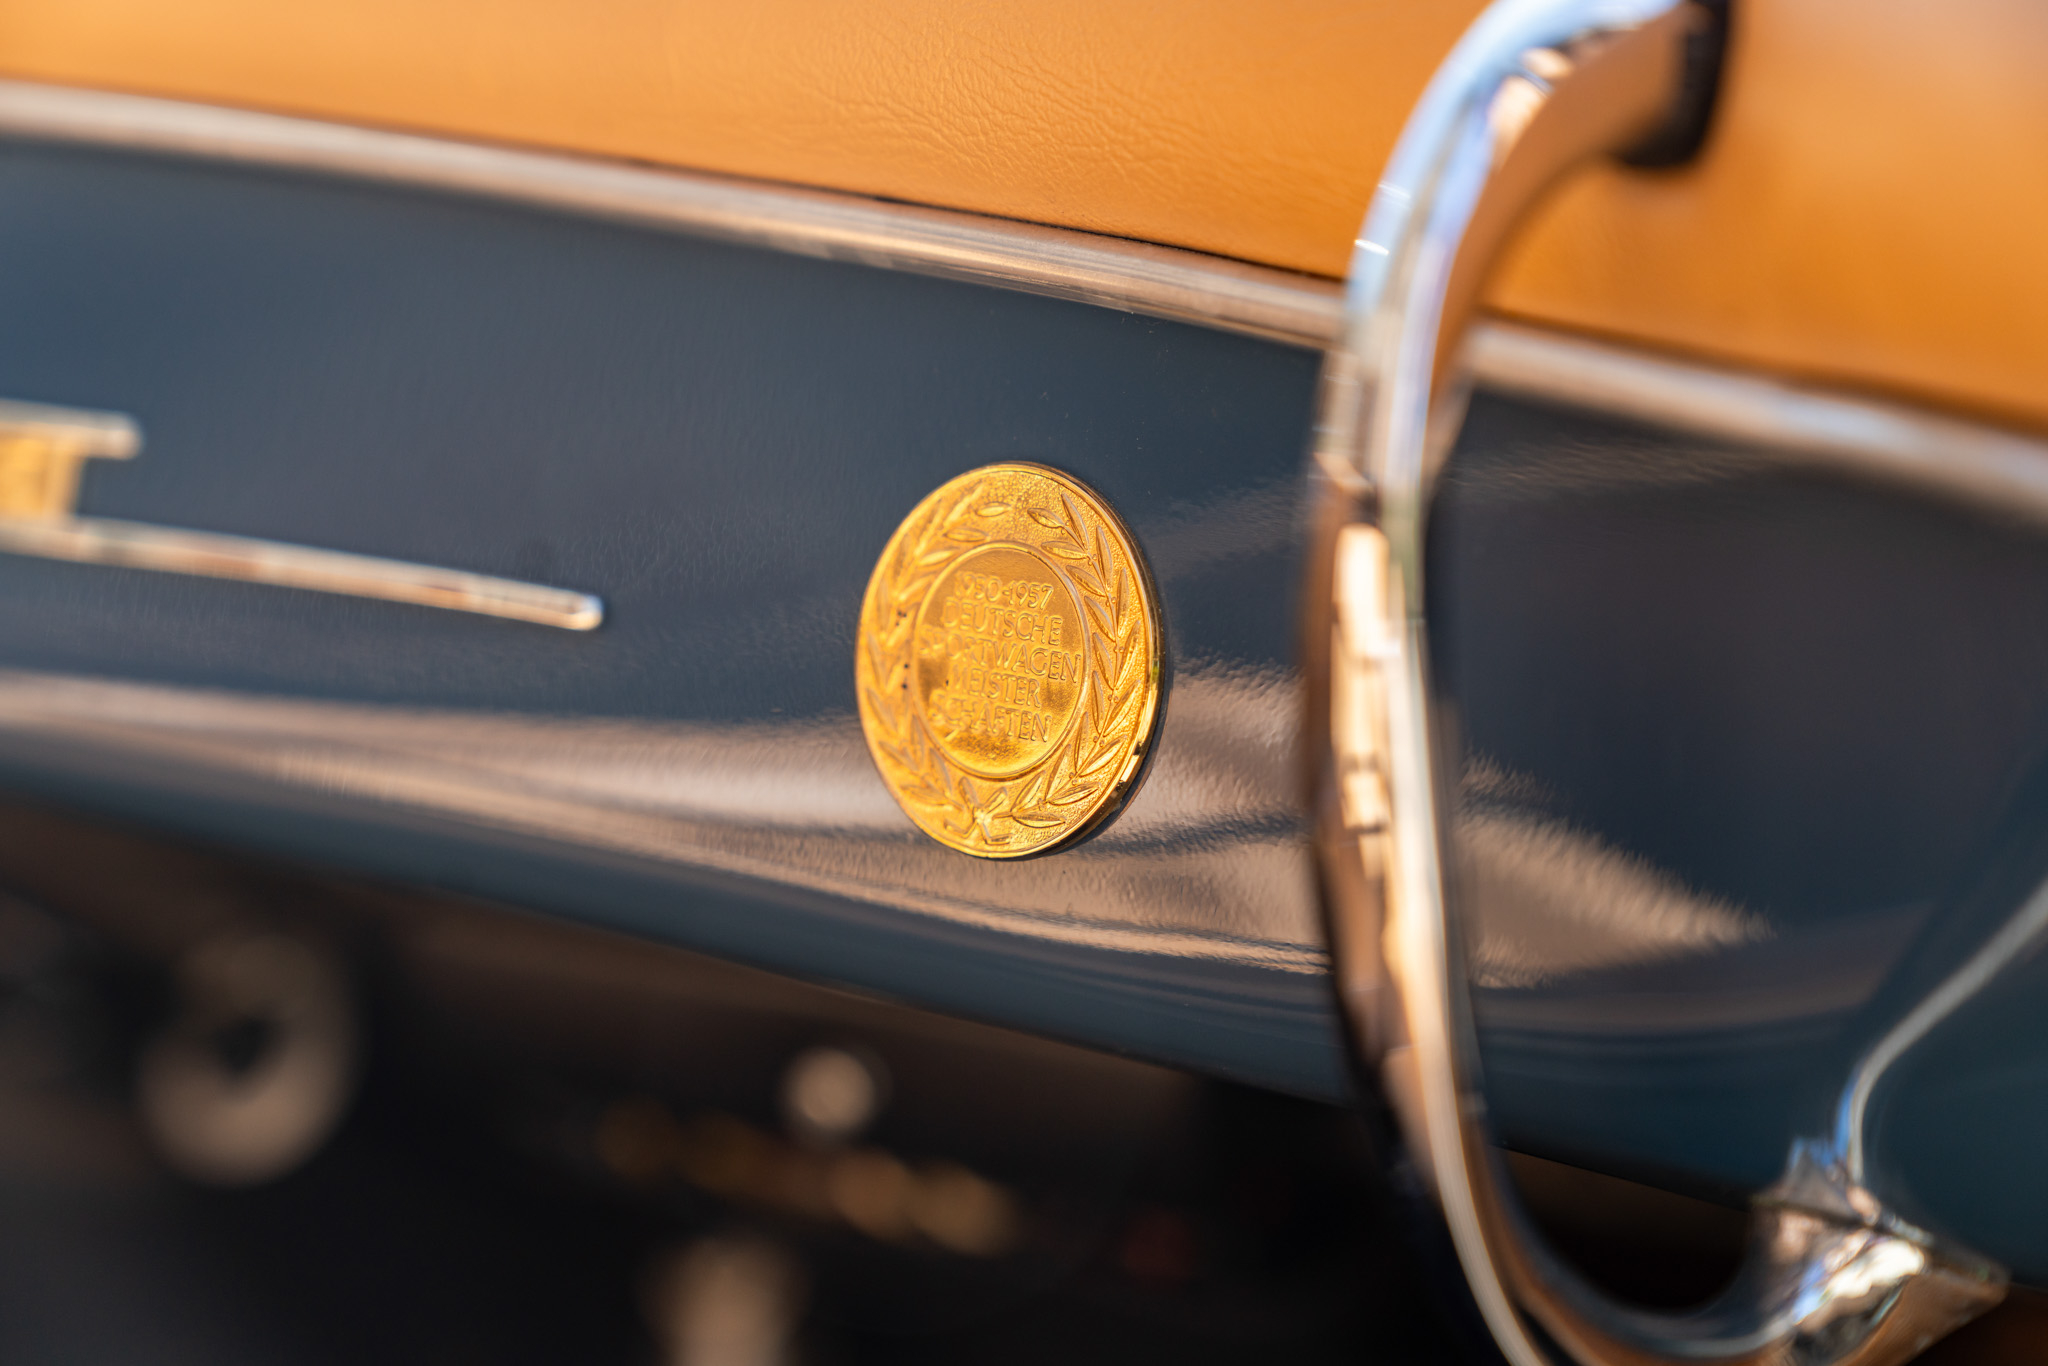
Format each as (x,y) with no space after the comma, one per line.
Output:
(134,545)
(1163,282)
(42,448)
(1864,437)
(112,436)
(2000,471)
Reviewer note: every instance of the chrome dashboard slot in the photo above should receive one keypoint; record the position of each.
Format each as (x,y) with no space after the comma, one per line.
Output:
(716,440)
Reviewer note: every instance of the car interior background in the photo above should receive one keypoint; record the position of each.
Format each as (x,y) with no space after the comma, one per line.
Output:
(1020,680)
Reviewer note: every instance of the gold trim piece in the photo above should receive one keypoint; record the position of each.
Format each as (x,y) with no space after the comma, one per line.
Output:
(43,449)
(1009,661)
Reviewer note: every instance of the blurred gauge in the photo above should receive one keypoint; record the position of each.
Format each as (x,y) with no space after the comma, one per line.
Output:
(256,1070)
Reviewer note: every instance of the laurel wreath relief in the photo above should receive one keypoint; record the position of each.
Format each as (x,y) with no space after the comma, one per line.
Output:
(1039,807)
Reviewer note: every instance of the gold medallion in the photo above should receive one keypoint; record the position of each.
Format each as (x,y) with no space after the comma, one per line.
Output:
(1009,661)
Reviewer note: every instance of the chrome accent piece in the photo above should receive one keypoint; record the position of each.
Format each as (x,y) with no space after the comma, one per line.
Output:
(1163,282)
(2015,937)
(111,435)
(1854,434)
(1999,471)
(1832,1278)
(42,449)
(135,545)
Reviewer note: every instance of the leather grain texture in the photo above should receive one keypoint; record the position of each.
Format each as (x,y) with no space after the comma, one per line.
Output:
(1867,211)
(1250,130)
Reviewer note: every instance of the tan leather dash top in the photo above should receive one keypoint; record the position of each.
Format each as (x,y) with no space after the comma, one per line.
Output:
(1869,212)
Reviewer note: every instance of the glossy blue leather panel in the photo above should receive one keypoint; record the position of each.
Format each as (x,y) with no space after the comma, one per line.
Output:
(1755,748)
(1754,758)
(717,441)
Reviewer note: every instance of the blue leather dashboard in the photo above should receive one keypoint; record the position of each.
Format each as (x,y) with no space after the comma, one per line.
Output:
(716,440)
(1784,728)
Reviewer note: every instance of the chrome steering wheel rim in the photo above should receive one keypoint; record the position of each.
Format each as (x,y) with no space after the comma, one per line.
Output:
(1832,1277)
